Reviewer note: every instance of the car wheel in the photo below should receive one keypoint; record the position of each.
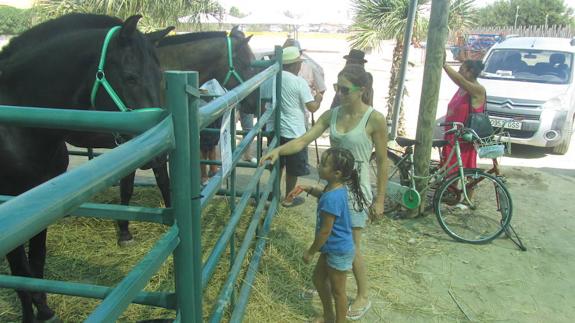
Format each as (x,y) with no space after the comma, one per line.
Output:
(563,147)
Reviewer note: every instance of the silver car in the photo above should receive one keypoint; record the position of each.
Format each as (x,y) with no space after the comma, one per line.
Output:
(530,90)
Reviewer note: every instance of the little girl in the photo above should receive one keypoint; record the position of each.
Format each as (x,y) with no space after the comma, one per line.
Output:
(333,237)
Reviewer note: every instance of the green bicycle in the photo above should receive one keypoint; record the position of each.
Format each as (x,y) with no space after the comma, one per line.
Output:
(471,205)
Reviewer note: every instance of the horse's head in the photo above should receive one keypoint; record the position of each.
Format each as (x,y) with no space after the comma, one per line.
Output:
(132,69)
(242,56)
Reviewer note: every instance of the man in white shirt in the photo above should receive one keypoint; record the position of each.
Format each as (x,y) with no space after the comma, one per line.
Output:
(296,99)
(310,71)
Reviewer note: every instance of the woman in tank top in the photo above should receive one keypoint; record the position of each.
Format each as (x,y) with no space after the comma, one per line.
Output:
(356,126)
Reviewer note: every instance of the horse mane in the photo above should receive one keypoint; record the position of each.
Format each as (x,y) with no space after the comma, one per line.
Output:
(59,26)
(189,37)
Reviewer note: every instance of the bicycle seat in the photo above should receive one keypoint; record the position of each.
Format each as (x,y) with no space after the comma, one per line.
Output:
(405,142)
(439,143)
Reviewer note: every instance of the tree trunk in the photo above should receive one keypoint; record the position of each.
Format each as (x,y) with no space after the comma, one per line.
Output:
(436,38)
(392,92)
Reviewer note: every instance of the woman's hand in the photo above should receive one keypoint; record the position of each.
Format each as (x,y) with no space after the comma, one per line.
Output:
(272,156)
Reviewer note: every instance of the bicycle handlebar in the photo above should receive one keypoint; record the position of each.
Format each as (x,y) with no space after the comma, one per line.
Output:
(459,127)
(453,124)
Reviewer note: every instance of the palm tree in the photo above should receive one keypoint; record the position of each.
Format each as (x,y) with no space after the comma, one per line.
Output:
(378,20)
(157,13)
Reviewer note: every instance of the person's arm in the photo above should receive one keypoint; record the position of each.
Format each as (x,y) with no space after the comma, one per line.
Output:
(296,145)
(314,105)
(327,221)
(476,90)
(314,191)
(379,139)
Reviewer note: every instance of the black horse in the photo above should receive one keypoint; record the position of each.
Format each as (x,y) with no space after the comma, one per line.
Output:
(205,52)
(59,71)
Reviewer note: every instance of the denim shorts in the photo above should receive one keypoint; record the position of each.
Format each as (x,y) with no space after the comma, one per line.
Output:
(358,219)
(340,261)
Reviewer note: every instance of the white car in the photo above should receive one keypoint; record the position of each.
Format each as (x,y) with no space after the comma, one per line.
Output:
(531,91)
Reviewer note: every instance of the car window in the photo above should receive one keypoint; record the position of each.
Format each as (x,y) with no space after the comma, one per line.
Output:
(542,66)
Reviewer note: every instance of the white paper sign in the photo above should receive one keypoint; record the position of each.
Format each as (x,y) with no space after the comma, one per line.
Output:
(226,144)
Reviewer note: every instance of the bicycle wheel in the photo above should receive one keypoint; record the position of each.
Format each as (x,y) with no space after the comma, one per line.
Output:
(394,174)
(486,219)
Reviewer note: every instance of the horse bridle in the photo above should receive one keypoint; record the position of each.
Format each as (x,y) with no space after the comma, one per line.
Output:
(101,76)
(231,69)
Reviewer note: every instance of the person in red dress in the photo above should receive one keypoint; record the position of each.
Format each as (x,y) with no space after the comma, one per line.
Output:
(469,92)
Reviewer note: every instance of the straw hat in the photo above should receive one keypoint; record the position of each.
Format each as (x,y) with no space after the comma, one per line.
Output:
(291,55)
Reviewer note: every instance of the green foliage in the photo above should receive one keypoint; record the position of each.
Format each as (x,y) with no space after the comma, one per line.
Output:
(14,21)
(157,13)
(531,12)
(377,20)
(462,15)
(235,12)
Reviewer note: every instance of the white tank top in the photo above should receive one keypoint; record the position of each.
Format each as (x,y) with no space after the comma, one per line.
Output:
(360,145)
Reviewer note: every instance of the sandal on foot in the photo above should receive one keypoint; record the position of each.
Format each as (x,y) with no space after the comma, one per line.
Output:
(294,202)
(356,314)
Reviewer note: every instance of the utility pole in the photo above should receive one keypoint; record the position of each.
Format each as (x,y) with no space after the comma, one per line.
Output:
(516,16)
(436,39)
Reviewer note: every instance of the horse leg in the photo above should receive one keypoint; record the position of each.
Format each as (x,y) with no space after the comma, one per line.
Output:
(19,266)
(37,260)
(163,181)
(126,191)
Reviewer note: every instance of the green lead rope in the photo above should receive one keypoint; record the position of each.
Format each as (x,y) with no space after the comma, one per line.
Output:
(101,76)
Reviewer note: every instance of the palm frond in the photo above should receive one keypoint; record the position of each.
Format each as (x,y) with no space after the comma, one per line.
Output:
(377,20)
(158,13)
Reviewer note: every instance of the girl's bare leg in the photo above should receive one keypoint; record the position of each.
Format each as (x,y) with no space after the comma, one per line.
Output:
(337,282)
(322,284)
(359,272)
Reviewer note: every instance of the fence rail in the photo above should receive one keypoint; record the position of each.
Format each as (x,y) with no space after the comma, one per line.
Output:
(176,132)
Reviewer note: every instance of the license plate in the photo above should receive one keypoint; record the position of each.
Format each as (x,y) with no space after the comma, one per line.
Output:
(506,123)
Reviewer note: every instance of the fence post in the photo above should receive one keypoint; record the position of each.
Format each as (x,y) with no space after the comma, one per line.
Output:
(185,186)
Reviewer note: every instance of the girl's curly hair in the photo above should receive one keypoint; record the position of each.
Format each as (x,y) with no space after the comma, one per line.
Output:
(342,160)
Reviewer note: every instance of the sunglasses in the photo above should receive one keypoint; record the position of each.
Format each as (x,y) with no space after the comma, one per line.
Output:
(344,89)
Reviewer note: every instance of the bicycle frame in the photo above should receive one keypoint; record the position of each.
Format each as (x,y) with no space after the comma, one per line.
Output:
(436,177)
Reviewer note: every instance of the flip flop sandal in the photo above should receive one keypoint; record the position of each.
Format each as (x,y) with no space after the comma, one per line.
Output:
(355,315)
(295,202)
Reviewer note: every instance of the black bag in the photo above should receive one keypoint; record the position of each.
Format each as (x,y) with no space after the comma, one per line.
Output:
(479,122)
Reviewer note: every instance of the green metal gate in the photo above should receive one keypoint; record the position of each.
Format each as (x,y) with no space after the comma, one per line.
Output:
(176,132)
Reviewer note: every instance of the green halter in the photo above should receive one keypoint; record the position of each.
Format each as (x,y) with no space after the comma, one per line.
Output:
(231,68)
(101,76)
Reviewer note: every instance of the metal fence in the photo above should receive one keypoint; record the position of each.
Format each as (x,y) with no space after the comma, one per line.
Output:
(524,31)
(176,133)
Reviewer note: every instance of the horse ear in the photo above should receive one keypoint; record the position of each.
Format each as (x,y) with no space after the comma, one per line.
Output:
(235,29)
(130,27)
(156,36)
(246,40)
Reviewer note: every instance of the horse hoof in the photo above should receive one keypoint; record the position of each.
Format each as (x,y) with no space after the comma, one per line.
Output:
(125,242)
(53,319)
